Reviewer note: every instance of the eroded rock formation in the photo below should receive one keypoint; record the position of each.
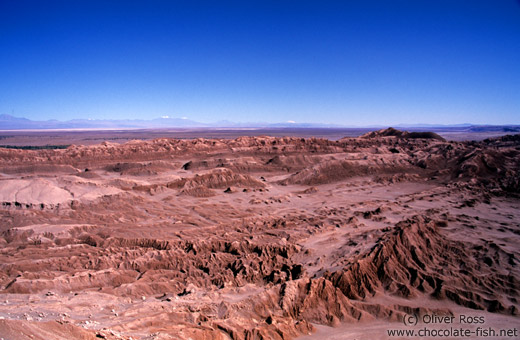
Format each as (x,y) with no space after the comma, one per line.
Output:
(257,237)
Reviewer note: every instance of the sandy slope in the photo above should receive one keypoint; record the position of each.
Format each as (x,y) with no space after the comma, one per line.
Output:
(33,191)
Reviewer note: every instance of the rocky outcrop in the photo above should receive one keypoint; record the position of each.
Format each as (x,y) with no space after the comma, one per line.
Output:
(391,132)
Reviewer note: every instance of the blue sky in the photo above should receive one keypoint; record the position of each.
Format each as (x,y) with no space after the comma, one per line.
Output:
(345,62)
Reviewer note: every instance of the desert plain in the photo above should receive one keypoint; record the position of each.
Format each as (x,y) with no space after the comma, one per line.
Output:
(258,237)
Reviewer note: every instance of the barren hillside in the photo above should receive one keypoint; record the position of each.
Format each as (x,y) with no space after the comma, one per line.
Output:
(256,237)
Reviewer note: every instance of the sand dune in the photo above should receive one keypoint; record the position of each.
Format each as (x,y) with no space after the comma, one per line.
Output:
(34,191)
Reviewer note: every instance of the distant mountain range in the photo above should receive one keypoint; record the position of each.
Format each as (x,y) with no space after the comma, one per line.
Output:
(8,122)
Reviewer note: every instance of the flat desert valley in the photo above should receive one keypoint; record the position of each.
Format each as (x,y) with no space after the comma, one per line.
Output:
(259,237)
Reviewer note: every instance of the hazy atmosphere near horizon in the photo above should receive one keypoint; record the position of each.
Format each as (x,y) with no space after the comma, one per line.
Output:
(333,62)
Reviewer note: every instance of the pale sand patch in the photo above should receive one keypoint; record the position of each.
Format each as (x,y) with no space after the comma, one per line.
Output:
(33,191)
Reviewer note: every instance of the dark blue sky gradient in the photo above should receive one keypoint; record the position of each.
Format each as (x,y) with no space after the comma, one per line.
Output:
(345,62)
